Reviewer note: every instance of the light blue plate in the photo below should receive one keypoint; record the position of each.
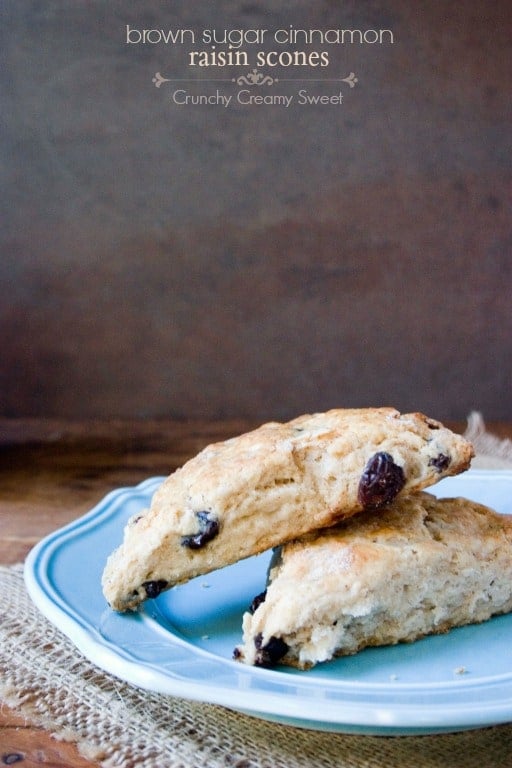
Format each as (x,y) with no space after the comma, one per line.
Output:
(182,643)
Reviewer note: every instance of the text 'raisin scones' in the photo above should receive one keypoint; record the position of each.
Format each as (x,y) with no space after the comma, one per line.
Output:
(260,489)
(422,566)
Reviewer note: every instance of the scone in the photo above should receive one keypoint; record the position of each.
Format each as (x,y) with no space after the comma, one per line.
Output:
(260,489)
(422,566)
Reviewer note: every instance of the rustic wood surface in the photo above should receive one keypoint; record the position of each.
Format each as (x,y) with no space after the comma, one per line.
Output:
(52,472)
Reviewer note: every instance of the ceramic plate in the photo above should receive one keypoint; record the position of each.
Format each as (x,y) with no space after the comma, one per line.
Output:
(182,643)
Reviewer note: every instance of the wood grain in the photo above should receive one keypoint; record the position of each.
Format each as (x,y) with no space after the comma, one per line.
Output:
(27,746)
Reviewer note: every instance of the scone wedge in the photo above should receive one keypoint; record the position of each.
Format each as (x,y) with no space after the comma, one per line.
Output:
(422,566)
(250,493)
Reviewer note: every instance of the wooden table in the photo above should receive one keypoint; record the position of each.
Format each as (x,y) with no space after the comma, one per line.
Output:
(51,472)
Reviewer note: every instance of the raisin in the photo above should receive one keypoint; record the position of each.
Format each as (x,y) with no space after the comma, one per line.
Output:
(269,654)
(153,588)
(208,530)
(440,462)
(381,481)
(258,600)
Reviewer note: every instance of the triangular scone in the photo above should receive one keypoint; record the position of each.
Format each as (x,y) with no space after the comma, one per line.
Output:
(422,566)
(247,494)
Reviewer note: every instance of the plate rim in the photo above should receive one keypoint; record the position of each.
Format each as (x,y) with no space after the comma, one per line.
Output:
(354,716)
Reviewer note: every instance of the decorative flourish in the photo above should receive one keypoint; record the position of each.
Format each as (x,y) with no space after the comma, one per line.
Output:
(351,80)
(158,80)
(255,78)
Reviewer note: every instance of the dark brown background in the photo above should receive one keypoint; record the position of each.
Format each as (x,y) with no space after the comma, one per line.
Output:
(159,260)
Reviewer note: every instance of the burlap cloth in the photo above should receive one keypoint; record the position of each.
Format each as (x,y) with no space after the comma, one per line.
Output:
(45,678)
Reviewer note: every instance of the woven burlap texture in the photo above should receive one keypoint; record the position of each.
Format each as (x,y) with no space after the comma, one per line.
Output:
(46,678)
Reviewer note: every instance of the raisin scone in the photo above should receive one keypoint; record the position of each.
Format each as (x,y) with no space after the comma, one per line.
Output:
(250,493)
(420,567)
